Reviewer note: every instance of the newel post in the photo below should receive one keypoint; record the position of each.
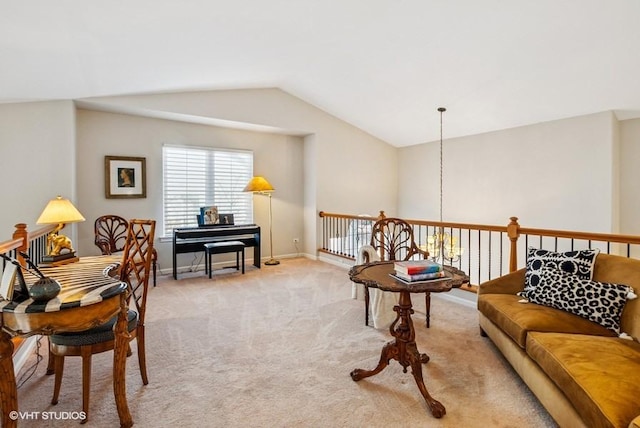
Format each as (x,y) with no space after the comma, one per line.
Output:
(513,231)
(21,233)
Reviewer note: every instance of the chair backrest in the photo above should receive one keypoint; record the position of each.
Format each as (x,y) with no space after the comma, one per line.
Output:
(393,240)
(136,262)
(110,233)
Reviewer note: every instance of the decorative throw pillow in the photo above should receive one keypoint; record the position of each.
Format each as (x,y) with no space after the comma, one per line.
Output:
(600,302)
(578,263)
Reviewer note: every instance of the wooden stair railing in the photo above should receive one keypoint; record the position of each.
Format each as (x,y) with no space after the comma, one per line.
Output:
(489,251)
(32,243)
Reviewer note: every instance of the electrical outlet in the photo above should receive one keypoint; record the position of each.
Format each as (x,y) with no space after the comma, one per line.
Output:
(296,240)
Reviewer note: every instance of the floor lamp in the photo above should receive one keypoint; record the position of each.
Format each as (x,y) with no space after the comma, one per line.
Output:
(262,186)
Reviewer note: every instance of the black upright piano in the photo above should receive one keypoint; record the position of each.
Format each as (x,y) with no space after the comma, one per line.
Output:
(192,239)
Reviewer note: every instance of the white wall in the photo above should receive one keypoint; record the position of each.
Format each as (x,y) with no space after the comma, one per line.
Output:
(557,175)
(336,167)
(37,142)
(349,172)
(630,177)
(279,157)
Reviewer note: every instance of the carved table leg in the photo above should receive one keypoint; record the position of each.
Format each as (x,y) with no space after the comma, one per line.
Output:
(122,338)
(389,351)
(8,391)
(437,409)
(403,349)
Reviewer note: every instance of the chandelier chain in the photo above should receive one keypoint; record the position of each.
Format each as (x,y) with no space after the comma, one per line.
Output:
(441,110)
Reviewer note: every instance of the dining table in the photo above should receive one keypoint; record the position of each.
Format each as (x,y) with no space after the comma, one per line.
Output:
(91,293)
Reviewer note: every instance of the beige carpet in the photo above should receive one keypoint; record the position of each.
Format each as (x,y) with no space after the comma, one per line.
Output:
(274,348)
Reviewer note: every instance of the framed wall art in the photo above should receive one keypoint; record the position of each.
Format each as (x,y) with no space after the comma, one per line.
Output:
(124,177)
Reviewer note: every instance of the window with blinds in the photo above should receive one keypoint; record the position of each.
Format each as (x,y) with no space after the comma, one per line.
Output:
(196,177)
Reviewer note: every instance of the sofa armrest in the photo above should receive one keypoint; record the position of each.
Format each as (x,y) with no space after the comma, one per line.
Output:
(635,423)
(510,283)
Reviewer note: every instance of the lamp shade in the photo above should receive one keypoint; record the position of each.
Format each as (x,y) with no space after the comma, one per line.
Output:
(258,184)
(58,211)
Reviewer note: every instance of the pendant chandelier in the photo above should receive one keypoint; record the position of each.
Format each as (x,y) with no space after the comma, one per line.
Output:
(442,245)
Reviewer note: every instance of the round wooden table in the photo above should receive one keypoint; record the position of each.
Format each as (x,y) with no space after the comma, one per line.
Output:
(89,296)
(403,348)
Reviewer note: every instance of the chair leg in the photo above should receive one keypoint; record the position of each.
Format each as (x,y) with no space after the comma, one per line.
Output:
(366,305)
(86,380)
(427,304)
(50,359)
(142,355)
(58,364)
(154,272)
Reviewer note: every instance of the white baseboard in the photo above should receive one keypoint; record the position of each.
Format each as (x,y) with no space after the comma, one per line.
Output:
(247,262)
(336,261)
(456,299)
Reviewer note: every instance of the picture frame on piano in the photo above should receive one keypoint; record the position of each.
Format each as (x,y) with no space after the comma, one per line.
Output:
(209,215)
(226,219)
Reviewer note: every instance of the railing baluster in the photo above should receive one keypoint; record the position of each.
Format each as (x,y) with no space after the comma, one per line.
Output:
(489,257)
(479,254)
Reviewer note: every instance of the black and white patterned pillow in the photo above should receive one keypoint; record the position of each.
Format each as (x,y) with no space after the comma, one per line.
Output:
(578,263)
(600,302)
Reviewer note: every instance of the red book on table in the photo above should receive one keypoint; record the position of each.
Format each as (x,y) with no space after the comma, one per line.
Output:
(414,267)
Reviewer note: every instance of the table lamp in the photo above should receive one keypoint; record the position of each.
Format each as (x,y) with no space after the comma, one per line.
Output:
(59,211)
(262,186)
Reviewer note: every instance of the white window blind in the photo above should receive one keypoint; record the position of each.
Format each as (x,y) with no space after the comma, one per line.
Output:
(196,177)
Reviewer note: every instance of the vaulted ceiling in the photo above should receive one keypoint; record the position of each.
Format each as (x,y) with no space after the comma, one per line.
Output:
(384,66)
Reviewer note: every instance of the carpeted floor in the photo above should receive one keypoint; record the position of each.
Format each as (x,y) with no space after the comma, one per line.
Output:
(274,348)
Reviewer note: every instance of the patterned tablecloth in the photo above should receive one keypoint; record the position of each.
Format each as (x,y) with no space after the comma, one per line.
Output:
(83,283)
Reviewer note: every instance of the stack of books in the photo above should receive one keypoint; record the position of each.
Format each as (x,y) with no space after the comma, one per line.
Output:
(418,270)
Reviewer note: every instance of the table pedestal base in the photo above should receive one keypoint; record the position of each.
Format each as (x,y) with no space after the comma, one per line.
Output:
(404,349)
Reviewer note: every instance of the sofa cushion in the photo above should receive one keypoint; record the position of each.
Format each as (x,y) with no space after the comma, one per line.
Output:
(622,270)
(600,302)
(576,262)
(599,375)
(516,319)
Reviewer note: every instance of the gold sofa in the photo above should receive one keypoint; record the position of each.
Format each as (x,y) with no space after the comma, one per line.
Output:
(582,373)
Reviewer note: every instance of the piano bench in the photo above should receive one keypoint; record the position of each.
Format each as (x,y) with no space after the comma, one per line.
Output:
(222,247)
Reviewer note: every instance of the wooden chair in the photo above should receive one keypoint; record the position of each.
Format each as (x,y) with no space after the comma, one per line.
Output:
(134,270)
(393,240)
(110,236)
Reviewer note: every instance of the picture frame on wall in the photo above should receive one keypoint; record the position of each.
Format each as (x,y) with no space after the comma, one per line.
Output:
(125,177)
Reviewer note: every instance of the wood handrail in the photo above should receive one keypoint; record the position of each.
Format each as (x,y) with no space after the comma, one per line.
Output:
(348,216)
(21,239)
(471,226)
(587,236)
(446,224)
(12,244)
(340,240)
